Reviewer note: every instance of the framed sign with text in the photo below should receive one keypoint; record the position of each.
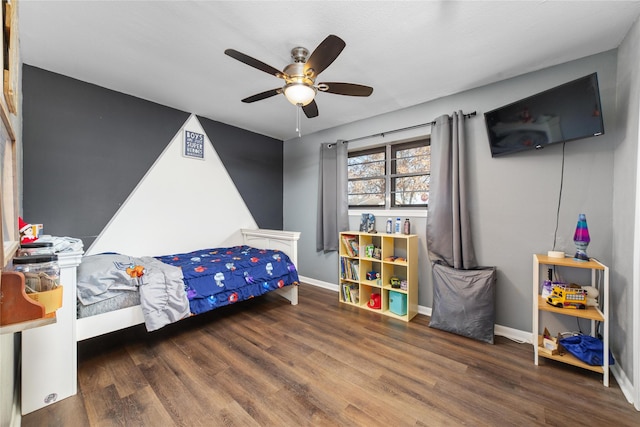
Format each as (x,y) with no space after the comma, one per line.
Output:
(193,145)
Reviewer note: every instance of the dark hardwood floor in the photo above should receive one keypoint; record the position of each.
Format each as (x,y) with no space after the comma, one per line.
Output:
(267,363)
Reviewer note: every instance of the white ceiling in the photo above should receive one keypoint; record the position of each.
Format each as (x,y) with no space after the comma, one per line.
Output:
(410,52)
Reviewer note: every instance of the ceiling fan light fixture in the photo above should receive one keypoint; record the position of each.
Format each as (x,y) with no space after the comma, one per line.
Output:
(300,76)
(299,93)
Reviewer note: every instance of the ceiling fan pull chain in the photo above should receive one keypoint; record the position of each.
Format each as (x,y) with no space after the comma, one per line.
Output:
(298,108)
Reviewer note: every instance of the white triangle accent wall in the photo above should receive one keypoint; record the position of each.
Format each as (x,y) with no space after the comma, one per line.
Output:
(181,204)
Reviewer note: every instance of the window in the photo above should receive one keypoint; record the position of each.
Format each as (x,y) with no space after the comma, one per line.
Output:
(390,176)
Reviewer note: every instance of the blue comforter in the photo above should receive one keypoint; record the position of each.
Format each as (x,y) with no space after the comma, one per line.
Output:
(220,276)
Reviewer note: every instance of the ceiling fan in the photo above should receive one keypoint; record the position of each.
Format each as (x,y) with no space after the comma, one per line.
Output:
(300,76)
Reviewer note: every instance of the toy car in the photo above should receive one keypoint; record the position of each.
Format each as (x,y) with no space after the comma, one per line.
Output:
(567,297)
(395,282)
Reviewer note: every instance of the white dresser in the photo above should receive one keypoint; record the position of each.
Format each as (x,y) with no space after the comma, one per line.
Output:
(49,353)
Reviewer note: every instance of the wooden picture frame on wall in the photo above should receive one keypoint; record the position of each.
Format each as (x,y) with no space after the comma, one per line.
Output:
(10,54)
(9,188)
(8,161)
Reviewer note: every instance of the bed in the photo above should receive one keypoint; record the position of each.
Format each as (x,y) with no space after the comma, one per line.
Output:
(58,342)
(175,286)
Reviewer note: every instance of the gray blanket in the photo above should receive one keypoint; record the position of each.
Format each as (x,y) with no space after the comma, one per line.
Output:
(162,295)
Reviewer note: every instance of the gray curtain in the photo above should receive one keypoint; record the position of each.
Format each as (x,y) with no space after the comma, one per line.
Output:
(463,294)
(448,225)
(333,204)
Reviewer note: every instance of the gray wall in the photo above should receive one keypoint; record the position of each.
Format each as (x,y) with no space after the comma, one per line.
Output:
(254,163)
(625,179)
(514,198)
(87,147)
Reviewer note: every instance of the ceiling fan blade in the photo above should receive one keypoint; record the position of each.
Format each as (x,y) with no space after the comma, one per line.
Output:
(263,95)
(350,89)
(254,62)
(325,54)
(311,109)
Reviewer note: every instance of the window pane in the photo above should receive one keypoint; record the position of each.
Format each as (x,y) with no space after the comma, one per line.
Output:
(365,157)
(370,200)
(413,198)
(412,160)
(413,190)
(366,165)
(367,192)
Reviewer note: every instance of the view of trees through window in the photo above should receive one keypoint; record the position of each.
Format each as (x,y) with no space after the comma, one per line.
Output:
(394,175)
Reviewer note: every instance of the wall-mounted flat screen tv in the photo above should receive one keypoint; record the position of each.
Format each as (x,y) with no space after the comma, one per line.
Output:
(564,113)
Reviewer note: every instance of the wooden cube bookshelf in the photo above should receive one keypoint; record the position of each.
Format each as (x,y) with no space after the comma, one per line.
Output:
(383,256)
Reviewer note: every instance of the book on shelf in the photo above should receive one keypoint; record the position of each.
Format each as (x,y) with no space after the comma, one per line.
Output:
(351,293)
(355,294)
(349,269)
(346,293)
(355,270)
(350,244)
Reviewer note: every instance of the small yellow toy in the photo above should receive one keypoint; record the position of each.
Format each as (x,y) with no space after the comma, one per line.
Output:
(568,297)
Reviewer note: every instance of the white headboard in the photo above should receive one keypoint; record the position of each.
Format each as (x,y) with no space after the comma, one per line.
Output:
(286,241)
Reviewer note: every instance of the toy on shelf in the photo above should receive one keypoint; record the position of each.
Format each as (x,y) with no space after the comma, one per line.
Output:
(394,282)
(368,223)
(550,345)
(375,302)
(369,250)
(374,275)
(372,251)
(29,233)
(568,297)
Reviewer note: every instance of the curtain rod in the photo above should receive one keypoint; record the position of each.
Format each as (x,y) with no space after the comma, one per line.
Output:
(382,134)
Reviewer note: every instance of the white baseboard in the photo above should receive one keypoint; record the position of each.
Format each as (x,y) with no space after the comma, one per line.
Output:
(623,382)
(424,310)
(513,334)
(319,283)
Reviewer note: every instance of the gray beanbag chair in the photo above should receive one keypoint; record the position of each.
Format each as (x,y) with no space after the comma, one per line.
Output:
(464,301)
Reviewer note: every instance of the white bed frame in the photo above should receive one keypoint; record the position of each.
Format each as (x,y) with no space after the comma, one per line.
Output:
(46,383)
(286,241)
